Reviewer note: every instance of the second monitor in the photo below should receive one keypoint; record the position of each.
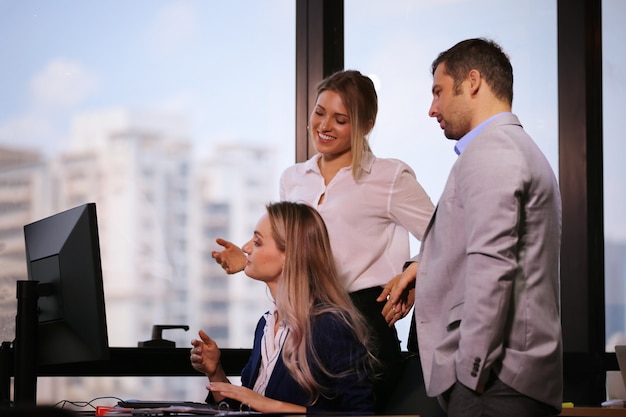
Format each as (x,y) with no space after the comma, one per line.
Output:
(63,259)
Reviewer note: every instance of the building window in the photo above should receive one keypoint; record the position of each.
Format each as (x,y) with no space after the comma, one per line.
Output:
(614,97)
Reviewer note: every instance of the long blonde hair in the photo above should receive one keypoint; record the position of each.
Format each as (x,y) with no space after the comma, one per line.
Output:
(358,95)
(309,287)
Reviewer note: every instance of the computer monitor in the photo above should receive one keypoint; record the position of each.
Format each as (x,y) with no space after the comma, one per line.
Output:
(63,258)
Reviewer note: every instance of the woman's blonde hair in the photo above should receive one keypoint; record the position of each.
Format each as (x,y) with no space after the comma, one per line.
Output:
(358,95)
(310,287)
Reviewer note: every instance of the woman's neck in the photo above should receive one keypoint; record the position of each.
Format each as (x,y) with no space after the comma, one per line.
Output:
(330,165)
(272,287)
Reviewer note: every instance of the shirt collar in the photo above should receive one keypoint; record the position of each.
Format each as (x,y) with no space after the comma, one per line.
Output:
(462,143)
(366,162)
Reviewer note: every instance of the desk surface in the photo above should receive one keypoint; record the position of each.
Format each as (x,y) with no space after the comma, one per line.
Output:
(593,412)
(571,412)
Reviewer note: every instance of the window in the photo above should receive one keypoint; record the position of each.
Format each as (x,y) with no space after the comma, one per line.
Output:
(154,109)
(527,30)
(395,43)
(614,96)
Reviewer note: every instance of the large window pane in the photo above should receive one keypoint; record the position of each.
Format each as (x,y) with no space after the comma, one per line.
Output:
(176,118)
(396,41)
(614,97)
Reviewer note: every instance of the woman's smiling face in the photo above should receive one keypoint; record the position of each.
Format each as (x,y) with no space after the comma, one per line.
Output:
(330,125)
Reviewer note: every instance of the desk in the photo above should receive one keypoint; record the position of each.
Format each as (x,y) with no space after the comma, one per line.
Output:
(593,412)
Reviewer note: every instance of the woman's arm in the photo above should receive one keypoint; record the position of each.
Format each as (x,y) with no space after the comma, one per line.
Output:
(253,400)
(205,358)
(410,206)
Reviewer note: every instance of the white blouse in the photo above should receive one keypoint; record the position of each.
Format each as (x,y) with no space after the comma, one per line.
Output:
(271,347)
(368,220)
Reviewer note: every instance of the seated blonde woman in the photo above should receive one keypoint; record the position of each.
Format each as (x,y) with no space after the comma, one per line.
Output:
(310,349)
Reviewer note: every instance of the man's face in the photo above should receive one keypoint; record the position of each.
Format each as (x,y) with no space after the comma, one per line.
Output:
(451,108)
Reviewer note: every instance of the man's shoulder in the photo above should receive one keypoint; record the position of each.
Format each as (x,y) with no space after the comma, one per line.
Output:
(504,119)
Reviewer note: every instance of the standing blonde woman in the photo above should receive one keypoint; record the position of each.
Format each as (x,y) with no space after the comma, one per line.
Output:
(369,205)
(310,349)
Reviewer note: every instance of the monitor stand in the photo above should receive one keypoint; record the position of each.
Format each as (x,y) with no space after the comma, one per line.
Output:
(26,344)
(6,372)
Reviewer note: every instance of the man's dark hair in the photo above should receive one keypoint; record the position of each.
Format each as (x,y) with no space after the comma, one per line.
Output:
(483,55)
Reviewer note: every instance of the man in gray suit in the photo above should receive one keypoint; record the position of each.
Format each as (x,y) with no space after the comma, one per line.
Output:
(487,285)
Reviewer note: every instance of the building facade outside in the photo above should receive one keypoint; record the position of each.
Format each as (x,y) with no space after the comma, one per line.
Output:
(159,213)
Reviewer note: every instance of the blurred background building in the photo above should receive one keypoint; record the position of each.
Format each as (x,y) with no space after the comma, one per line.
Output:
(158,216)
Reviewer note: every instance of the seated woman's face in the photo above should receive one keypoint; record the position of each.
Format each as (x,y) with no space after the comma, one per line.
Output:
(265,261)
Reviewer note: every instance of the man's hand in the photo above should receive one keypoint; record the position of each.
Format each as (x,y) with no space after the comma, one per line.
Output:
(231,259)
(399,294)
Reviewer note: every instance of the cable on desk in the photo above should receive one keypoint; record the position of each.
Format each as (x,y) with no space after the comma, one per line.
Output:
(82,404)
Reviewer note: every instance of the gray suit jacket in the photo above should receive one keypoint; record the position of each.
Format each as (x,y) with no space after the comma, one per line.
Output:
(487,289)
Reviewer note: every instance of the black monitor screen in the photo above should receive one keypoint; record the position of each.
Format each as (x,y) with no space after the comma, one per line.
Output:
(63,256)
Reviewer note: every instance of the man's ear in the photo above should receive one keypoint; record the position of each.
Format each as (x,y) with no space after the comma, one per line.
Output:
(475,81)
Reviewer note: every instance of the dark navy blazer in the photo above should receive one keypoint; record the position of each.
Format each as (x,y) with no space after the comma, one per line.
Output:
(339,351)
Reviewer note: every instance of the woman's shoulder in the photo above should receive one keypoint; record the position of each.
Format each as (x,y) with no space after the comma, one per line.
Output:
(293,174)
(331,321)
(307,165)
(333,335)
(388,170)
(391,163)
(295,167)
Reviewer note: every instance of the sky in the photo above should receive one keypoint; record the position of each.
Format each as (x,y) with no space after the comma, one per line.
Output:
(205,59)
